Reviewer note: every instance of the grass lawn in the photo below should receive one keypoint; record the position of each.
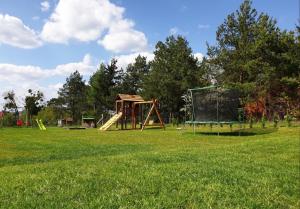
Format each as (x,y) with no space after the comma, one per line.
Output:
(61,168)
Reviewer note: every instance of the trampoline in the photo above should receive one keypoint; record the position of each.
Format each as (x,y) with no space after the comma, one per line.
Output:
(213,105)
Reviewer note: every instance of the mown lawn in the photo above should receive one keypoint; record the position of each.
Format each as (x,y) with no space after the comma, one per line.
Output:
(60,168)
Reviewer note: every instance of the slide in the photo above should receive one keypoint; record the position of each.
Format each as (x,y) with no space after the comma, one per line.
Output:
(40,124)
(111,121)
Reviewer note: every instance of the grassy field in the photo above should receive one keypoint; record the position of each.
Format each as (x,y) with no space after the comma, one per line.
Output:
(60,168)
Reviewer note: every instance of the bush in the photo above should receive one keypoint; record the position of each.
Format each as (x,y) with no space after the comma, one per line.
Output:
(48,116)
(276,120)
(251,122)
(263,122)
(289,119)
(9,119)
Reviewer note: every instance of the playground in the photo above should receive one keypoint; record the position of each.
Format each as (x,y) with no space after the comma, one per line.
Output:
(155,168)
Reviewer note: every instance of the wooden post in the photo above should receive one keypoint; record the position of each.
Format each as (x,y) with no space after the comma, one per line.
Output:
(117,111)
(148,117)
(158,114)
(133,116)
(122,117)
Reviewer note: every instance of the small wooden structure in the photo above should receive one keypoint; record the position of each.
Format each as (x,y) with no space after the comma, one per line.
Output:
(132,108)
(88,122)
(65,122)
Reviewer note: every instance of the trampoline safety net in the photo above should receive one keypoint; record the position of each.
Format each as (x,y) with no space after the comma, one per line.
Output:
(212,104)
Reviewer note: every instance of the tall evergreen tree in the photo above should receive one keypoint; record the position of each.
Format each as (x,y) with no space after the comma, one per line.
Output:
(173,70)
(74,95)
(133,80)
(105,84)
(252,54)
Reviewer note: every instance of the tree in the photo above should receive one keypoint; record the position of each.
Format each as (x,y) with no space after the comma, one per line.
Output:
(104,85)
(74,95)
(10,101)
(173,70)
(252,54)
(11,105)
(135,75)
(48,115)
(58,107)
(33,103)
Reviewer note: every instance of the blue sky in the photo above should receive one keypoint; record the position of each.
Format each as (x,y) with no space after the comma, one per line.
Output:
(41,42)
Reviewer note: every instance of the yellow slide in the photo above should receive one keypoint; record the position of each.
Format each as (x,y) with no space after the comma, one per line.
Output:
(111,121)
(41,125)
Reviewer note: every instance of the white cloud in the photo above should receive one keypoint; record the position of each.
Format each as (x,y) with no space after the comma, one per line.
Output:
(124,60)
(202,26)
(20,73)
(177,31)
(20,77)
(199,56)
(174,31)
(35,18)
(14,33)
(88,20)
(45,6)
(122,37)
(183,8)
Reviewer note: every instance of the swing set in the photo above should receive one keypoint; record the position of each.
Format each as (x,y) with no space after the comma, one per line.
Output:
(133,109)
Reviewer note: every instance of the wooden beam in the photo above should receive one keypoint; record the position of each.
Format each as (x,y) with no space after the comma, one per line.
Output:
(148,117)
(158,115)
(145,102)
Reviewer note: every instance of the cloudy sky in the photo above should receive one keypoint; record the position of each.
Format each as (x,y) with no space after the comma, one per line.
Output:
(42,42)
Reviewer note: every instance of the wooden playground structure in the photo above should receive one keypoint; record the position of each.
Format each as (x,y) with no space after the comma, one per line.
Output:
(131,108)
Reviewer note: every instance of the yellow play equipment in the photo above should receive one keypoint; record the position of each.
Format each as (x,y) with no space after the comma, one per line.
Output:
(40,124)
(111,121)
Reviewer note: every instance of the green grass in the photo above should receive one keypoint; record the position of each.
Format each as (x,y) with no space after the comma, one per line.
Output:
(60,168)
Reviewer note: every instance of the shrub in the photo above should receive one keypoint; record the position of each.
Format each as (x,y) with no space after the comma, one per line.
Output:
(263,121)
(288,119)
(9,119)
(275,120)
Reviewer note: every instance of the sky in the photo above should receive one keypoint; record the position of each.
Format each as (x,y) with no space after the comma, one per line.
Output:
(43,42)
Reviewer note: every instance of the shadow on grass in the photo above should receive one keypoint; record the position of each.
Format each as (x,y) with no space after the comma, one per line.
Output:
(137,129)
(241,132)
(74,152)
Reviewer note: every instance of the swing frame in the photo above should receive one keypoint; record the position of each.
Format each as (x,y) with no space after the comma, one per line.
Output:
(132,107)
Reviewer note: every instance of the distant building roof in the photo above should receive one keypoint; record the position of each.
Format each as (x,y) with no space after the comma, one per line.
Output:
(66,119)
(128,97)
(88,118)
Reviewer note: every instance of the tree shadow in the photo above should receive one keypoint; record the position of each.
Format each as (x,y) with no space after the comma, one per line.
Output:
(241,132)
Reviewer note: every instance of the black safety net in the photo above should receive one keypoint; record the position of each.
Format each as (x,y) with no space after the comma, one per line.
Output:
(215,105)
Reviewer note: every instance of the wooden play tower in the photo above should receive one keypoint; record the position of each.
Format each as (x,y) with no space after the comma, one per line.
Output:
(131,109)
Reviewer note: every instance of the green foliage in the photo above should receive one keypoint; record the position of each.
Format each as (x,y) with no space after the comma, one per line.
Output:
(254,54)
(74,95)
(8,119)
(57,106)
(10,101)
(33,102)
(275,120)
(289,119)
(263,121)
(48,116)
(104,85)
(251,122)
(133,80)
(173,70)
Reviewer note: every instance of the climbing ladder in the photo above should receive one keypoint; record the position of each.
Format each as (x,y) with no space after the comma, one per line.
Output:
(111,121)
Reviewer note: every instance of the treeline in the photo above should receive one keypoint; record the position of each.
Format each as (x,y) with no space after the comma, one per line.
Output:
(251,53)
